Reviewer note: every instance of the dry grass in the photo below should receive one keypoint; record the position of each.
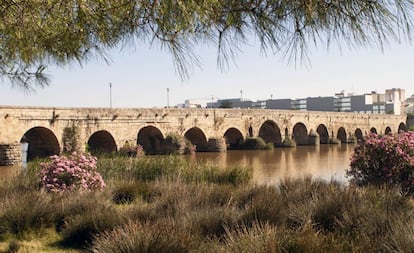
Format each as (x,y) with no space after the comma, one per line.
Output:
(171,213)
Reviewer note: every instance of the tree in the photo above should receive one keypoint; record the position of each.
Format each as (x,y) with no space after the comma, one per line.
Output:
(35,33)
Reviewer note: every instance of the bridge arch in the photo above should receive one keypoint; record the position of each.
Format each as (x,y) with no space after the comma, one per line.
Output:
(402,127)
(42,142)
(359,135)
(373,130)
(197,137)
(341,135)
(270,133)
(322,130)
(388,130)
(300,134)
(151,140)
(102,142)
(233,137)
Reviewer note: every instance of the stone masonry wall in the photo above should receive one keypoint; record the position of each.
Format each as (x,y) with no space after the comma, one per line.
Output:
(10,154)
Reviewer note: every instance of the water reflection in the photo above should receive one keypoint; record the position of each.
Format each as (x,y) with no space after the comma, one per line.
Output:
(325,161)
(269,167)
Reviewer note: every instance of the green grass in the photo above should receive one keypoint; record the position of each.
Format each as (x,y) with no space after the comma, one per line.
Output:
(166,204)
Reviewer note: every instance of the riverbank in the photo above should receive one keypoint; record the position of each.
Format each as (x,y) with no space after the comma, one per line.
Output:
(168,204)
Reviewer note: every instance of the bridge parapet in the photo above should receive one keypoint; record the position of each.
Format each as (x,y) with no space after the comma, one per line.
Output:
(53,130)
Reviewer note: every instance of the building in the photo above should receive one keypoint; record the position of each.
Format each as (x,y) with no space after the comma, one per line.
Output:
(231,103)
(409,105)
(391,102)
(189,104)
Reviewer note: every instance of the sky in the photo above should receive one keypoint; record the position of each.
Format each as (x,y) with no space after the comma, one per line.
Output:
(141,76)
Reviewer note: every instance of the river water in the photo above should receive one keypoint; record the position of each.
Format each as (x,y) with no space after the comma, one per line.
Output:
(270,166)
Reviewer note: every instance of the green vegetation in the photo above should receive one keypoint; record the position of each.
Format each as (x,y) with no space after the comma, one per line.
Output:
(254,143)
(64,32)
(334,141)
(288,142)
(169,204)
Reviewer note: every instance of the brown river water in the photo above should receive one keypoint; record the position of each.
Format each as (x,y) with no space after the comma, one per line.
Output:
(270,166)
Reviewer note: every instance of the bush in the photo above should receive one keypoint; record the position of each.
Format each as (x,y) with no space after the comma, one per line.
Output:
(79,230)
(14,246)
(387,159)
(254,143)
(22,213)
(128,192)
(132,151)
(177,144)
(75,172)
(142,238)
(288,143)
(334,141)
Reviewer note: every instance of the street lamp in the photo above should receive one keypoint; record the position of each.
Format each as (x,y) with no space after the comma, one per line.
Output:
(168,97)
(241,95)
(110,95)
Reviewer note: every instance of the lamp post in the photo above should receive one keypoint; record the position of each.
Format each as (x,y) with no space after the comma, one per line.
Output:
(168,97)
(110,95)
(241,95)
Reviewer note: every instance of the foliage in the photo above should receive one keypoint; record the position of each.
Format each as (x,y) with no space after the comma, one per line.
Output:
(254,143)
(79,230)
(126,193)
(177,144)
(132,151)
(25,211)
(288,142)
(142,238)
(14,246)
(76,172)
(334,140)
(70,137)
(179,214)
(387,159)
(36,33)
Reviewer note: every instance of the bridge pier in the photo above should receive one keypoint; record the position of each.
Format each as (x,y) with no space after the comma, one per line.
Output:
(216,145)
(54,130)
(314,139)
(10,154)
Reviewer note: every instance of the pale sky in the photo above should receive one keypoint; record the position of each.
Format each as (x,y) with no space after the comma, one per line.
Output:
(140,78)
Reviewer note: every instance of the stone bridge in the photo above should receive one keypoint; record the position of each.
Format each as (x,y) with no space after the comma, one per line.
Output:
(53,130)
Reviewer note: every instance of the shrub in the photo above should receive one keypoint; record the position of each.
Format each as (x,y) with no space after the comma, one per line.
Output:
(254,143)
(142,238)
(177,144)
(334,141)
(288,143)
(387,159)
(22,213)
(76,172)
(79,230)
(132,151)
(215,175)
(14,246)
(128,192)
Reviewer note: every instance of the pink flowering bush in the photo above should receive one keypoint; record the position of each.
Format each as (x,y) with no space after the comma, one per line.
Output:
(76,172)
(387,159)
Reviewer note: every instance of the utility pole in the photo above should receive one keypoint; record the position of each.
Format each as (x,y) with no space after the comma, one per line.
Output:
(168,97)
(110,95)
